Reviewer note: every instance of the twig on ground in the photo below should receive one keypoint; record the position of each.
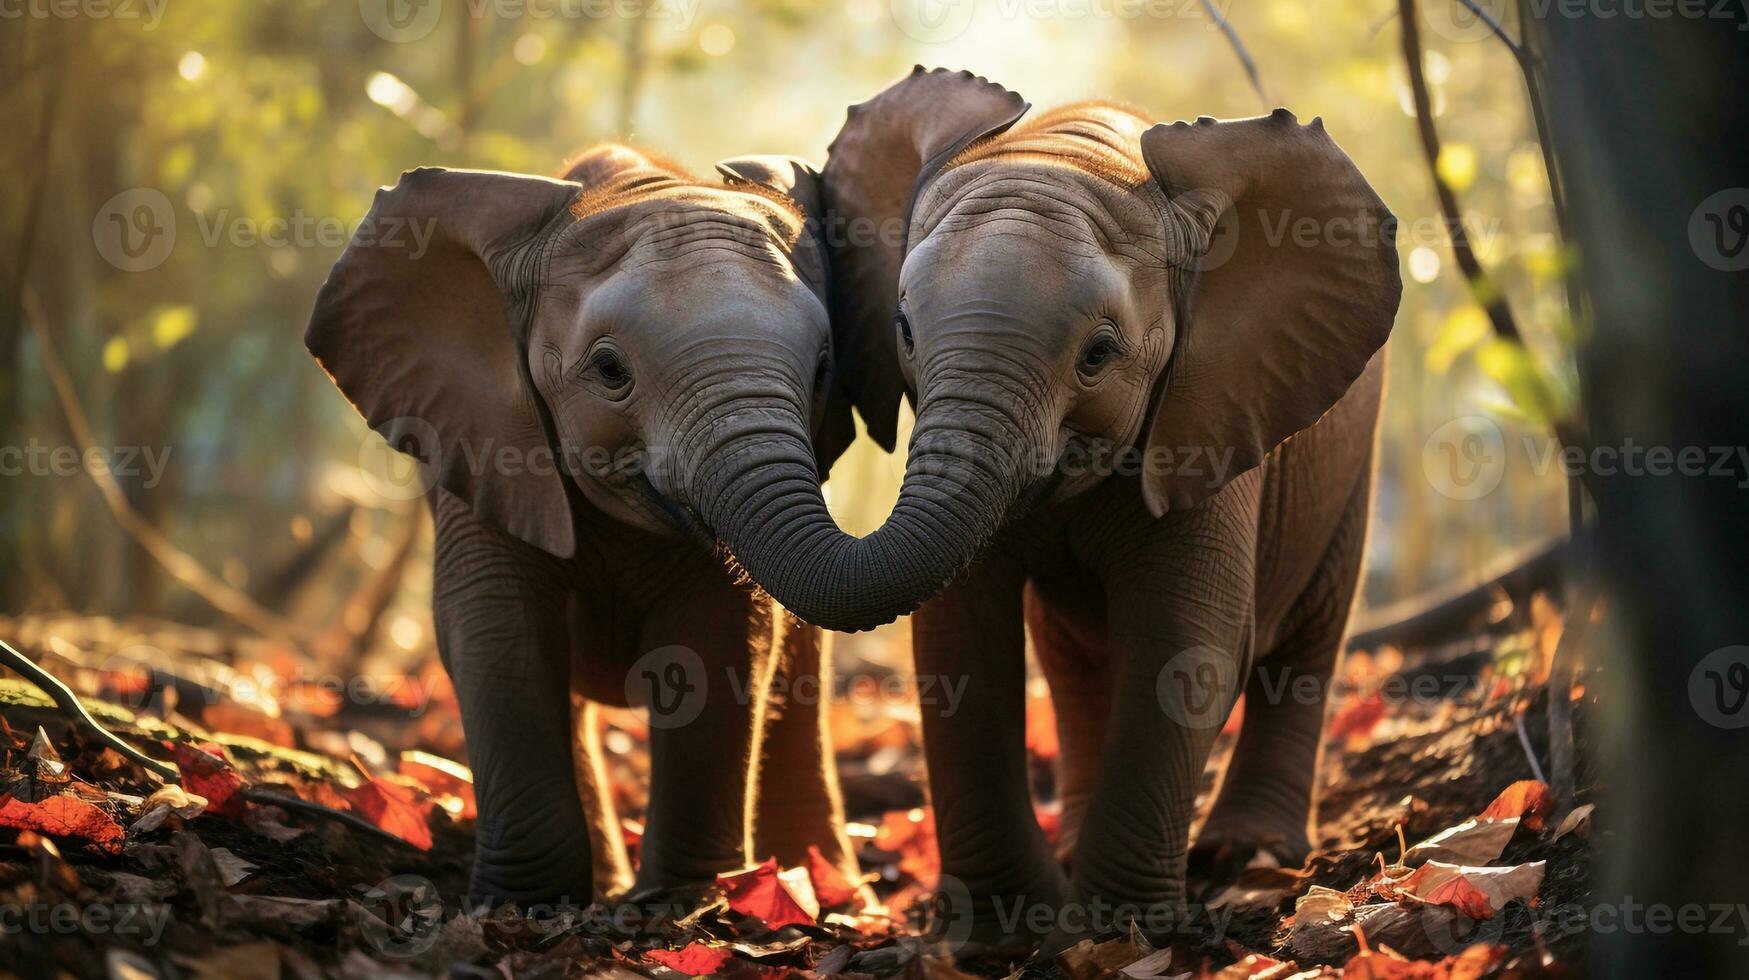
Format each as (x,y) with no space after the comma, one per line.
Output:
(1536,768)
(72,707)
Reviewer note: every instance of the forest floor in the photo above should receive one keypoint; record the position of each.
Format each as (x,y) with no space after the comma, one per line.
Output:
(107,871)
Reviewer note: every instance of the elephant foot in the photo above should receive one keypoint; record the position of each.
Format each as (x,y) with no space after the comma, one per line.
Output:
(1227,848)
(994,925)
(536,891)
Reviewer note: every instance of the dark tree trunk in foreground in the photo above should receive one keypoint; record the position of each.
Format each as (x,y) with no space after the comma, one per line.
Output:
(1651,125)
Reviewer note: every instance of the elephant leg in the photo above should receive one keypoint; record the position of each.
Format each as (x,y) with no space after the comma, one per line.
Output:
(499,606)
(1000,884)
(1180,615)
(1075,664)
(613,866)
(798,805)
(706,662)
(1268,793)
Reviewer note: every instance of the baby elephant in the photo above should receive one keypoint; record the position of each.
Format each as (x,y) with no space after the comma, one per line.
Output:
(1146,363)
(577,363)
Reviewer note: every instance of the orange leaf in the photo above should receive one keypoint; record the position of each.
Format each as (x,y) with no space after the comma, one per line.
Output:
(206,772)
(394,808)
(1041,728)
(63,816)
(696,960)
(758,892)
(831,884)
(440,775)
(1527,799)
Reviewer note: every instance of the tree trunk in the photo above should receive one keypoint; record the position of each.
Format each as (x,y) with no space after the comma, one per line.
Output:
(1652,131)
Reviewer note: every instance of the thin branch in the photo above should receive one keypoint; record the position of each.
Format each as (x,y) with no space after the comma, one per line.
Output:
(181,566)
(73,708)
(70,705)
(1238,49)
(1494,25)
(1483,289)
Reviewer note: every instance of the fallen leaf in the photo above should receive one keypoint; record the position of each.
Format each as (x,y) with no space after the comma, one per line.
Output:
(1262,887)
(442,777)
(164,801)
(1473,842)
(1255,965)
(295,913)
(63,816)
(1150,966)
(232,869)
(831,885)
(1528,799)
(1358,718)
(761,893)
(395,808)
(207,772)
(1476,892)
(1577,822)
(695,959)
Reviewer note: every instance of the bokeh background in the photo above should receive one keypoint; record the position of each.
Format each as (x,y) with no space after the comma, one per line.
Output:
(180,177)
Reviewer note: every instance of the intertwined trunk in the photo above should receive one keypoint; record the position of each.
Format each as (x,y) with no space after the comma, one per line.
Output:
(753,480)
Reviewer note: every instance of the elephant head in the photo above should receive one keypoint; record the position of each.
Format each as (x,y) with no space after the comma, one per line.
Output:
(1087,297)
(625,333)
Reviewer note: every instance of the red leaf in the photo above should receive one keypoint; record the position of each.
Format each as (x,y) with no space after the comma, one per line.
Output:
(758,892)
(697,959)
(206,772)
(63,816)
(831,885)
(1357,719)
(394,808)
(1527,799)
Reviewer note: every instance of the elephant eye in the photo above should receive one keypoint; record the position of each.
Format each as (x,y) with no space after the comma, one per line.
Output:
(903,322)
(612,370)
(1096,356)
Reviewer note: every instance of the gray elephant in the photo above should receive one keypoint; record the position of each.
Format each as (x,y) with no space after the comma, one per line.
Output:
(578,363)
(1146,362)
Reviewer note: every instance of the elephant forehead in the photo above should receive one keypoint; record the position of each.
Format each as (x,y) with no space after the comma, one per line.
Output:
(718,296)
(683,225)
(982,281)
(1049,199)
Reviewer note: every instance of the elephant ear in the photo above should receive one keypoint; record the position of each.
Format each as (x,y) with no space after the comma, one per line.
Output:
(1285,274)
(889,149)
(419,325)
(797,180)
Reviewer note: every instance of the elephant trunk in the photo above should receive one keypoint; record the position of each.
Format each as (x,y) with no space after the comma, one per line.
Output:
(755,484)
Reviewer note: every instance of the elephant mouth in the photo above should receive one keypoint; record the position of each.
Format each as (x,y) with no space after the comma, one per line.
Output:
(681,517)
